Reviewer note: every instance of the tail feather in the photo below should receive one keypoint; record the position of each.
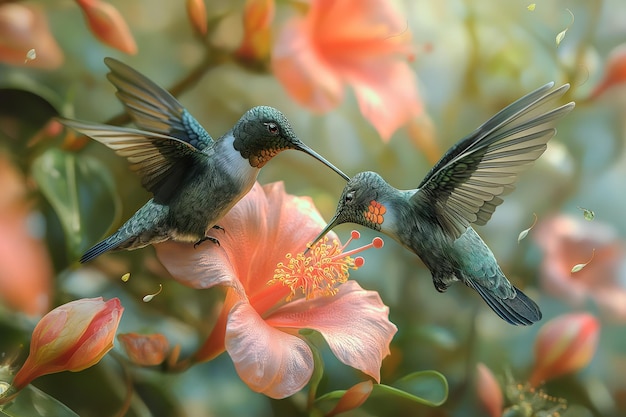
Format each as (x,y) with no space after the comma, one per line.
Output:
(520,310)
(110,243)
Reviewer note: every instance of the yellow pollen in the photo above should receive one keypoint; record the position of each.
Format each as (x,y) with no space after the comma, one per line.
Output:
(319,273)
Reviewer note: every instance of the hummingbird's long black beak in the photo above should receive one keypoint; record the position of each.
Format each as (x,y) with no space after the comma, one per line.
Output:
(328,228)
(302,147)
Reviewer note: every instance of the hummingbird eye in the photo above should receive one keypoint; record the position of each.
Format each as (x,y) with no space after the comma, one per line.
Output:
(272,128)
(349,197)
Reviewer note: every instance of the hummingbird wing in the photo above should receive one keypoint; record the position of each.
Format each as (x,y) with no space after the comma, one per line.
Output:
(160,160)
(153,108)
(465,185)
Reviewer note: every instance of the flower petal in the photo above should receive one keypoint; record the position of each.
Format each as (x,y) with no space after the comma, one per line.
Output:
(201,268)
(302,71)
(354,323)
(387,94)
(271,362)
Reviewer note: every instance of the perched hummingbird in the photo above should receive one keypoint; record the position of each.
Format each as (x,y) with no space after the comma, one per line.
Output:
(463,188)
(194,180)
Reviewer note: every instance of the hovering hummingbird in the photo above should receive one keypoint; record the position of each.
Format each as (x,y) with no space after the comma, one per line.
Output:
(463,188)
(194,180)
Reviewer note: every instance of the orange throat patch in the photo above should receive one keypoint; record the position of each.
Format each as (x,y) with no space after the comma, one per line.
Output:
(375,213)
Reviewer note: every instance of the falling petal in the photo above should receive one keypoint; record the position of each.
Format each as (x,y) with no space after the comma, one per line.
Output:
(524,232)
(531,7)
(578,267)
(149,297)
(588,214)
(561,35)
(30,55)
(126,277)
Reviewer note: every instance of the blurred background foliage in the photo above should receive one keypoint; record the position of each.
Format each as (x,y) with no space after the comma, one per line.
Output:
(471,59)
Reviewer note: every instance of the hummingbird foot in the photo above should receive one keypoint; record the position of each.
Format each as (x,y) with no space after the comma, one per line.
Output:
(218,228)
(212,239)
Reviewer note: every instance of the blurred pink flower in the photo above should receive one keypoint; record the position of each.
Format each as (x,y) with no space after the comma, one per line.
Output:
(22,28)
(145,349)
(362,43)
(108,25)
(25,265)
(257,36)
(258,326)
(568,241)
(563,345)
(488,391)
(72,337)
(614,72)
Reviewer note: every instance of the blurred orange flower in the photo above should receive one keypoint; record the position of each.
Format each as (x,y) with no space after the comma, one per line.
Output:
(569,241)
(614,72)
(24,28)
(362,43)
(72,337)
(25,265)
(145,349)
(563,345)
(257,36)
(270,296)
(108,25)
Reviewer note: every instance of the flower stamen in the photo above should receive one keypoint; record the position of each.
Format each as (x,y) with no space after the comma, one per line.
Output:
(325,266)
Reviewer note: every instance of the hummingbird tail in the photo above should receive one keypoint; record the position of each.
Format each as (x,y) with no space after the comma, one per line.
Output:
(99,248)
(520,310)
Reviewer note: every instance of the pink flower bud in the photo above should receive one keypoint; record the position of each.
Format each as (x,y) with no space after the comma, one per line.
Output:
(108,25)
(564,344)
(72,337)
(196,10)
(145,350)
(257,20)
(488,391)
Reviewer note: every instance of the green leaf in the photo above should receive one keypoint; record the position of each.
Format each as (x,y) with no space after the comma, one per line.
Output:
(426,387)
(82,193)
(31,402)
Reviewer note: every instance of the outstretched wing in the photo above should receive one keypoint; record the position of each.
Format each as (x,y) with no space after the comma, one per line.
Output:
(465,185)
(153,108)
(160,160)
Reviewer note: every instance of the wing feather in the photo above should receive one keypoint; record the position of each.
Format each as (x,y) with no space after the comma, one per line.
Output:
(153,108)
(159,160)
(465,185)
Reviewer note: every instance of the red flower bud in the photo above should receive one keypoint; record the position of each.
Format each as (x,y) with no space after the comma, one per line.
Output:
(108,25)
(72,337)
(564,344)
(196,10)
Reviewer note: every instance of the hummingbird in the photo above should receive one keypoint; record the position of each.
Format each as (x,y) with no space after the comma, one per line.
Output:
(194,179)
(435,220)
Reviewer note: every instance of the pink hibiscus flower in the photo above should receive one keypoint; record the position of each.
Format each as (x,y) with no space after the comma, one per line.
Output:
(567,242)
(363,43)
(274,290)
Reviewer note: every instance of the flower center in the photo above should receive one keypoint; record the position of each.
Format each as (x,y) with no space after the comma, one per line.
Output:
(322,269)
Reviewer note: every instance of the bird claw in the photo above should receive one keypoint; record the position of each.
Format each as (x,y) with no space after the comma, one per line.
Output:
(212,239)
(218,228)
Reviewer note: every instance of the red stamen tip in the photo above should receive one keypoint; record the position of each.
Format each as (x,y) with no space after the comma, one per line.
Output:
(355,234)
(378,242)
(359,261)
